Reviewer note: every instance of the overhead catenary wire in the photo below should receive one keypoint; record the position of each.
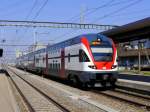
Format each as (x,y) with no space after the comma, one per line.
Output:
(117,11)
(129,19)
(88,12)
(102,6)
(20,45)
(132,12)
(92,10)
(33,6)
(110,14)
(28,15)
(41,8)
(38,12)
(130,15)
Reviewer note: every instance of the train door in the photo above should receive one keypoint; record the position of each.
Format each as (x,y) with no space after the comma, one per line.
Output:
(46,70)
(34,63)
(62,72)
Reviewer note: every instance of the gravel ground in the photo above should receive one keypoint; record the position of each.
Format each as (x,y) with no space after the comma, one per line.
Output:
(125,96)
(102,99)
(37,101)
(72,102)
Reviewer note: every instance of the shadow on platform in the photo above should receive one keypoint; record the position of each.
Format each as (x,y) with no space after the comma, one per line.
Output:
(2,71)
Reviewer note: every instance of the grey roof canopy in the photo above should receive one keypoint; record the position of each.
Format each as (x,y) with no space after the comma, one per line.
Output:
(129,32)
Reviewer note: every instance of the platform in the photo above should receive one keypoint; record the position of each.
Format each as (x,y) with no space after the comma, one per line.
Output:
(7,100)
(138,85)
(134,77)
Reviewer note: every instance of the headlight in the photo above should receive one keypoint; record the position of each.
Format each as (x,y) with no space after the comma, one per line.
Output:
(114,66)
(92,66)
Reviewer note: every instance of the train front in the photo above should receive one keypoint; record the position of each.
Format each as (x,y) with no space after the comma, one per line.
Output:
(102,59)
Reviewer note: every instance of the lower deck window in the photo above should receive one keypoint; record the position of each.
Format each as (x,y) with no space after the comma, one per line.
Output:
(102,56)
(82,56)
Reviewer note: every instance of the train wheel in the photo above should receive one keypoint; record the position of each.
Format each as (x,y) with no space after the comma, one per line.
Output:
(113,84)
(83,85)
(92,84)
(73,80)
(103,83)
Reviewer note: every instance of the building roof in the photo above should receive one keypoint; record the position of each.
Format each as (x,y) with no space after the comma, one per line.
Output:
(129,32)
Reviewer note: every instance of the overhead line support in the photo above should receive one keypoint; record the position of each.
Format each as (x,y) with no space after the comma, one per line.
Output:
(55,25)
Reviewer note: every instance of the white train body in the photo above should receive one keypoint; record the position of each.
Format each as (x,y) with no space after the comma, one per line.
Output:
(86,58)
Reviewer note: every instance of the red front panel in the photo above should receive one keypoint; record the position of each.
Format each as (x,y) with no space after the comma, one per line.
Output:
(100,64)
(107,65)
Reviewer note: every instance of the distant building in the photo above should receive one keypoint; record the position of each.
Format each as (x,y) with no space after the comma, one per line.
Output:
(18,53)
(31,48)
(35,47)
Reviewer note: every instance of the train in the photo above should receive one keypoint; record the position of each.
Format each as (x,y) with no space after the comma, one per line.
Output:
(84,60)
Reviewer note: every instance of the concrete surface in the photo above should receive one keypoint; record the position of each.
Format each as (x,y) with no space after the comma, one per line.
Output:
(7,100)
(144,86)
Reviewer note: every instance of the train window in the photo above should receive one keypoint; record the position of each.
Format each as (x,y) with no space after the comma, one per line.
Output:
(59,66)
(53,66)
(37,60)
(56,66)
(102,57)
(69,57)
(49,66)
(82,56)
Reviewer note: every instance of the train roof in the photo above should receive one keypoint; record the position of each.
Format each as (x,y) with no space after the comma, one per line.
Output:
(67,42)
(130,32)
(75,40)
(40,50)
(34,52)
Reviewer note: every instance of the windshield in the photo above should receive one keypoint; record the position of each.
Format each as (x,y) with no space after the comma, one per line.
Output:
(102,54)
(101,48)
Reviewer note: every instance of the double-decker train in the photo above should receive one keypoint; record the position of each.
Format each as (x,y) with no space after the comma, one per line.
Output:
(83,60)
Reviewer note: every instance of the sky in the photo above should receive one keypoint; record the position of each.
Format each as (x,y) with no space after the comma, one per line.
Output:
(106,12)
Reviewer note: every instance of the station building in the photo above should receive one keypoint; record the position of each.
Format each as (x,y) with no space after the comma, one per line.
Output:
(133,43)
(128,54)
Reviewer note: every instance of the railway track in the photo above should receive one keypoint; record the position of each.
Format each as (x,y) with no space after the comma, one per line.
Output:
(126,96)
(122,96)
(34,98)
(85,105)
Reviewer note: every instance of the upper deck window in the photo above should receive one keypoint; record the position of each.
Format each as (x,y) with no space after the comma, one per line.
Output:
(101,48)
(99,40)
